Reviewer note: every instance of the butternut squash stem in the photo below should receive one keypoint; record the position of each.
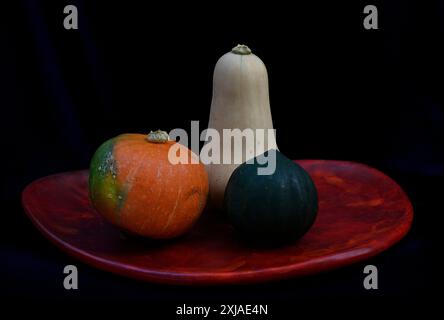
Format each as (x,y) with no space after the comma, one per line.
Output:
(157,136)
(241,49)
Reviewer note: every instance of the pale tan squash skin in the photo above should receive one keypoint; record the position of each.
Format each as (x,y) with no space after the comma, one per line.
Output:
(240,100)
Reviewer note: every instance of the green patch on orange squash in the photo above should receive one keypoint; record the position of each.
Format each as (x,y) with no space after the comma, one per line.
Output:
(104,190)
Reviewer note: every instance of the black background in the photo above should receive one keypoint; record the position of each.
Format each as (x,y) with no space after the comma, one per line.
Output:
(337,91)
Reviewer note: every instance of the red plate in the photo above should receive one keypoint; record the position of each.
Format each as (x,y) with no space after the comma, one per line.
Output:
(362,212)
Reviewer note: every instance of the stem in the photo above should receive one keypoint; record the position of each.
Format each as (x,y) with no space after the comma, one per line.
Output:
(241,49)
(157,136)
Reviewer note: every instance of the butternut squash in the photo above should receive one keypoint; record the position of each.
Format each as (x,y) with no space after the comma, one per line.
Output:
(240,101)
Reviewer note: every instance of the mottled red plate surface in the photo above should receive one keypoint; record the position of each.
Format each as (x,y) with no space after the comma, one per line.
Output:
(362,212)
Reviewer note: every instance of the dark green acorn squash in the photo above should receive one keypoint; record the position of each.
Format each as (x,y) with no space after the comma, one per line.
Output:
(271,209)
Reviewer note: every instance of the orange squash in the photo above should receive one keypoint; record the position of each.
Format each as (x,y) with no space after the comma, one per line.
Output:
(133,185)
